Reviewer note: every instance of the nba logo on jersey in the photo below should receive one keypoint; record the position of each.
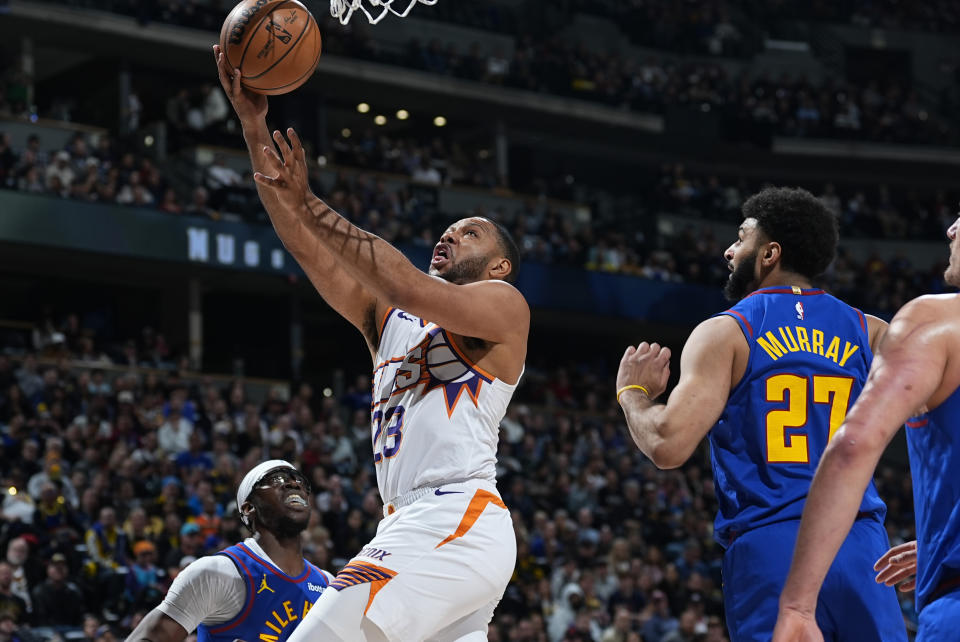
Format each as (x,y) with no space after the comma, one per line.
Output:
(799,308)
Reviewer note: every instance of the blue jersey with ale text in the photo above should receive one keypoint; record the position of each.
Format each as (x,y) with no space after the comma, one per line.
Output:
(809,358)
(275,604)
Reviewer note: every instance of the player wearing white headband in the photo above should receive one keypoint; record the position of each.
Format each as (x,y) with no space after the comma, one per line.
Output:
(259,589)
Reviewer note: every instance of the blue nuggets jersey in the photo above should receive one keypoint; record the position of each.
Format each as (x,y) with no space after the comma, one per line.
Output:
(809,358)
(275,604)
(932,440)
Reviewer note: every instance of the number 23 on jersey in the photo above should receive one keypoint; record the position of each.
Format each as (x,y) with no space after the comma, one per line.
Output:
(800,392)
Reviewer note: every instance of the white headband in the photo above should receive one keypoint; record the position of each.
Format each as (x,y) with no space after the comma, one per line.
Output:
(253,478)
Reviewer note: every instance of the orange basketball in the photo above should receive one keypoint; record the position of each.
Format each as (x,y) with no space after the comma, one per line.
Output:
(275,43)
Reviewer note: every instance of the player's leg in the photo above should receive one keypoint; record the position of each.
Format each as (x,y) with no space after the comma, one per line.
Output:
(861,608)
(940,619)
(755,568)
(337,616)
(453,556)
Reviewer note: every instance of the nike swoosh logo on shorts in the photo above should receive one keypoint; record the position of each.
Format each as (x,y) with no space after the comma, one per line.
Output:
(446,492)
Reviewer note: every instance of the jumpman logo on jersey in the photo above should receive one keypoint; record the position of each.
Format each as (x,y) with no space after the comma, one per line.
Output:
(263,585)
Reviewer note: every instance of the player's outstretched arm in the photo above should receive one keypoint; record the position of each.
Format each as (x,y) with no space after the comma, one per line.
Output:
(157,626)
(669,433)
(908,370)
(494,311)
(342,292)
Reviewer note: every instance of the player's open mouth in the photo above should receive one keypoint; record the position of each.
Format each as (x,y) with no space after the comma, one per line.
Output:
(295,500)
(441,255)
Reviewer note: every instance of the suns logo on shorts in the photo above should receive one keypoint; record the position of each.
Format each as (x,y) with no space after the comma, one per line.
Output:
(436,363)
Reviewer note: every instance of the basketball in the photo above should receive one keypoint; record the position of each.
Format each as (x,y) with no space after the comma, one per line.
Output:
(275,43)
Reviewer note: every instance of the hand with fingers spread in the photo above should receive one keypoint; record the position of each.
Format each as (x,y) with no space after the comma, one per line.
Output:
(250,106)
(898,564)
(647,366)
(288,181)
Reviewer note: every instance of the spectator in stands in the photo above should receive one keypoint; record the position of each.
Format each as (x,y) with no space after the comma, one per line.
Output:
(170,203)
(106,542)
(199,205)
(60,174)
(10,603)
(25,571)
(144,588)
(659,623)
(426,172)
(58,601)
(173,437)
(53,474)
(191,544)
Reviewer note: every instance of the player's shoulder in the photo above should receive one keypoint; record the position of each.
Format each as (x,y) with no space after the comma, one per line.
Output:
(217,565)
(932,302)
(928,308)
(723,326)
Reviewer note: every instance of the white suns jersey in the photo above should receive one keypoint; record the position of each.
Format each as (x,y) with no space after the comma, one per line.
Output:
(436,416)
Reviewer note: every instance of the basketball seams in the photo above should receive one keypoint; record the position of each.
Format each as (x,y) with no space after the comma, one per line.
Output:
(292,45)
(309,72)
(253,32)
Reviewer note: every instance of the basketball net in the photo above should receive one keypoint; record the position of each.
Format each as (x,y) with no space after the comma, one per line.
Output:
(375,10)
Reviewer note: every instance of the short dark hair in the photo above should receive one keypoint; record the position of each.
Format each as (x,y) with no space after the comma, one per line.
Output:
(803,226)
(510,250)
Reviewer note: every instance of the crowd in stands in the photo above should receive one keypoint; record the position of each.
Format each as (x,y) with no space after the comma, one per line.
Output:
(116,480)
(100,173)
(929,16)
(751,107)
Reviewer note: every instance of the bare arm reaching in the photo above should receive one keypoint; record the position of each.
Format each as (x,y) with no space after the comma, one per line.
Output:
(344,294)
(907,372)
(669,433)
(491,310)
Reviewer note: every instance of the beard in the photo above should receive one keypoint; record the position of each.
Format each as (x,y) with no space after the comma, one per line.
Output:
(466,271)
(742,280)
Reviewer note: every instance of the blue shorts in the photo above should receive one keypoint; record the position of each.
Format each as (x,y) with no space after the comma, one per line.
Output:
(851,605)
(940,619)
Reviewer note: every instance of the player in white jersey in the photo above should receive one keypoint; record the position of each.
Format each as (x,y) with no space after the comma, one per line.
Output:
(448,350)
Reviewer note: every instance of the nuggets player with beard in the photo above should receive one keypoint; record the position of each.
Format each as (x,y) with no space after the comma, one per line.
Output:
(770,381)
(260,589)
(448,350)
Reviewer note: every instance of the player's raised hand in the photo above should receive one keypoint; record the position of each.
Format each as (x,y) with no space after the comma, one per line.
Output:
(647,365)
(794,626)
(898,564)
(288,178)
(248,105)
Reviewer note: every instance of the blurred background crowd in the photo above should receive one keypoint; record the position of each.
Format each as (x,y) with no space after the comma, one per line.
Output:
(105,173)
(616,139)
(116,475)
